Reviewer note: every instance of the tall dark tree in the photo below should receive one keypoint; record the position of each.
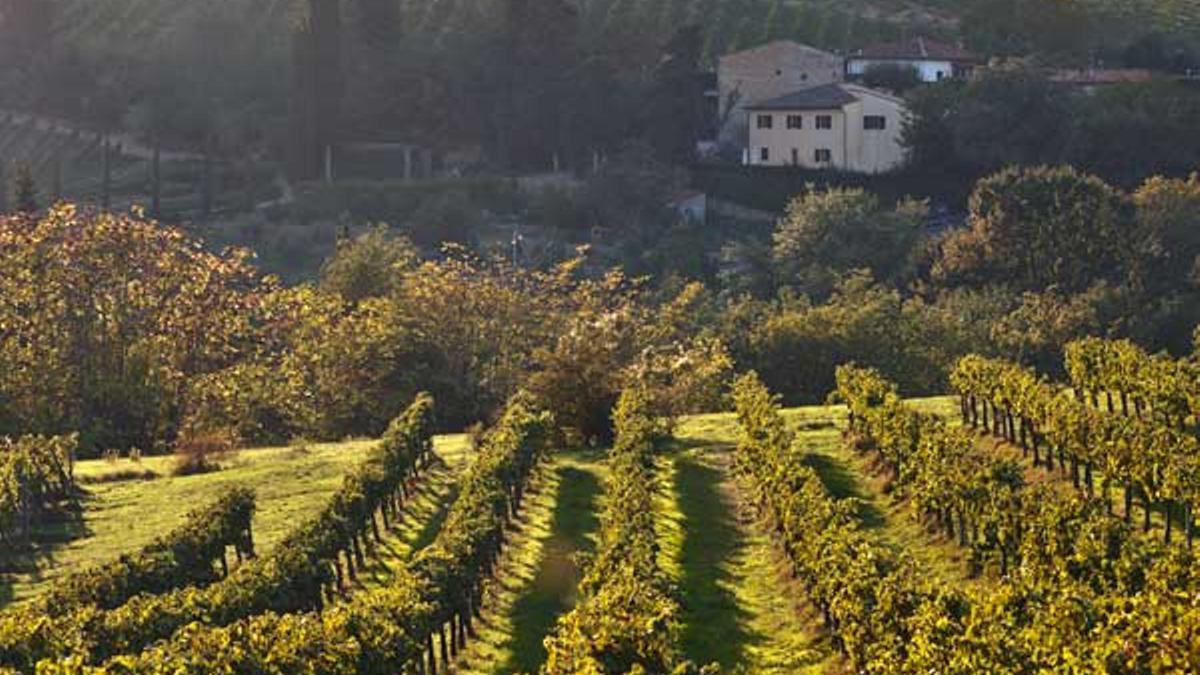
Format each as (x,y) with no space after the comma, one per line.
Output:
(675,108)
(538,53)
(24,190)
(317,86)
(377,87)
(26,31)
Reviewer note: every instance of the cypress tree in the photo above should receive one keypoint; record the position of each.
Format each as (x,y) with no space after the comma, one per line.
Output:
(24,190)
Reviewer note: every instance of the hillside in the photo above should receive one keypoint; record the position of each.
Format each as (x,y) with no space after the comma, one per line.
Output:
(128,504)
(741,609)
(830,23)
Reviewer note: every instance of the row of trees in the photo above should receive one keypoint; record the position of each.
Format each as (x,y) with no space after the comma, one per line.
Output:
(1156,460)
(134,335)
(1028,229)
(1049,254)
(873,602)
(1017,116)
(185,556)
(1066,592)
(1155,385)
(204,343)
(418,622)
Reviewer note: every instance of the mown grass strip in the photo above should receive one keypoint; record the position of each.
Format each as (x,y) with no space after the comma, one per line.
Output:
(539,576)
(741,610)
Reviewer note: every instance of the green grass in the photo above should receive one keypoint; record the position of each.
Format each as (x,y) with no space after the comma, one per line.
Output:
(538,573)
(740,610)
(121,516)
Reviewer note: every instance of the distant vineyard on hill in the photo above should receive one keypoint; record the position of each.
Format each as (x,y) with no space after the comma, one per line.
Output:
(134,24)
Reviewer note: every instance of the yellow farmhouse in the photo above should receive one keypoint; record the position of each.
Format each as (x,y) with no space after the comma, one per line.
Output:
(832,126)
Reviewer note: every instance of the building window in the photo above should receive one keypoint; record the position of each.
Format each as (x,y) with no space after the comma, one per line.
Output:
(941,75)
(795,156)
(824,121)
(795,122)
(764,121)
(764,154)
(875,122)
(822,155)
(804,77)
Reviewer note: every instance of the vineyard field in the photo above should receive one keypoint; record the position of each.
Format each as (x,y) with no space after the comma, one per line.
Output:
(741,603)
(123,512)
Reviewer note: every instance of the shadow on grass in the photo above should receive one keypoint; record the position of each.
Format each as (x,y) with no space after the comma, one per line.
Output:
(842,484)
(29,558)
(433,524)
(552,592)
(677,445)
(715,626)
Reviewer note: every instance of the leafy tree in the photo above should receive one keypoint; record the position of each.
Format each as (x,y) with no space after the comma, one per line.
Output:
(1168,233)
(538,52)
(316,85)
(578,375)
(928,132)
(1042,324)
(1009,117)
(1165,272)
(797,345)
(745,267)
(370,265)
(630,194)
(88,348)
(826,233)
(1130,132)
(446,217)
(1002,117)
(1039,227)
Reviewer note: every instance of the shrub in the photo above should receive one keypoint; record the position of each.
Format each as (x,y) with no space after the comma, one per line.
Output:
(201,454)
(894,77)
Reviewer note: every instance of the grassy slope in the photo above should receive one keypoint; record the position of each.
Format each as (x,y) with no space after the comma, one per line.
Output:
(123,516)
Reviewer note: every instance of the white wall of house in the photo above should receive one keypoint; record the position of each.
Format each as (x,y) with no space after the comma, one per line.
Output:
(927,70)
(798,147)
(851,146)
(880,149)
